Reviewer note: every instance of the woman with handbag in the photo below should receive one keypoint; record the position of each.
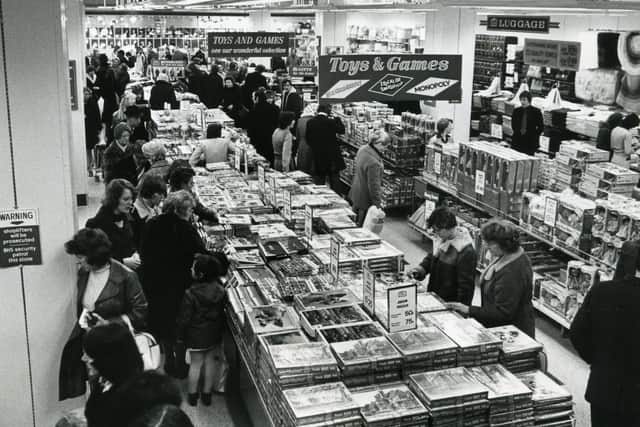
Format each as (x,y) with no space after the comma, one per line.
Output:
(107,292)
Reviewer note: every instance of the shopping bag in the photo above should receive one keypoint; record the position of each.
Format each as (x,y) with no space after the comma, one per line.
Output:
(374,220)
(149,350)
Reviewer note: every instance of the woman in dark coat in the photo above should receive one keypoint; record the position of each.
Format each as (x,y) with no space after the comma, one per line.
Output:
(105,86)
(162,92)
(169,243)
(213,84)
(122,79)
(506,284)
(92,126)
(107,292)
(263,120)
(231,100)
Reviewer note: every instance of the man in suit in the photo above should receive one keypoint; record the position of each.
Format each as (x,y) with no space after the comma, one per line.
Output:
(291,101)
(321,137)
(253,81)
(527,124)
(605,334)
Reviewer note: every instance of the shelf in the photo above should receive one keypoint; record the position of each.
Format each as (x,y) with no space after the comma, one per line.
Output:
(556,317)
(387,163)
(374,41)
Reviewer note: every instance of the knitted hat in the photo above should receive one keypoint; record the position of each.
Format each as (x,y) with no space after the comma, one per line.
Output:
(120,129)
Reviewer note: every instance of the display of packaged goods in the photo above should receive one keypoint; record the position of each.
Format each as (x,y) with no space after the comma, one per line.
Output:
(243,258)
(390,404)
(324,299)
(429,302)
(506,391)
(320,317)
(266,319)
(357,236)
(367,355)
(519,351)
(340,333)
(319,403)
(425,348)
(302,358)
(552,403)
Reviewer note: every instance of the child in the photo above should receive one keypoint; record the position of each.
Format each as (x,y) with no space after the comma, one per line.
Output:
(201,324)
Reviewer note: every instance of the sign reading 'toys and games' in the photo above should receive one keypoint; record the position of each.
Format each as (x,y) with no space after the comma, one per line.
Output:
(390,77)
(244,45)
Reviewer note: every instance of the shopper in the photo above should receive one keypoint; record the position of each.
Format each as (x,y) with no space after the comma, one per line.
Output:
(156,155)
(234,72)
(122,79)
(506,284)
(201,326)
(213,84)
(262,121)
(253,81)
(321,137)
(169,243)
(603,140)
(604,332)
(366,189)
(107,292)
(113,218)
(622,142)
(91,80)
(304,156)
(92,128)
(195,80)
(120,116)
(147,128)
(291,101)
(232,100)
(106,86)
(162,93)
(181,178)
(277,64)
(282,141)
(214,149)
(443,133)
(152,191)
(118,161)
(527,124)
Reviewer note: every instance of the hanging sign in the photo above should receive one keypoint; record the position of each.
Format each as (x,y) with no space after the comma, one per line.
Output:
(402,301)
(479,188)
(20,238)
(261,179)
(286,210)
(369,290)
(526,24)
(303,71)
(334,258)
(550,211)
(245,45)
(308,223)
(348,78)
(552,54)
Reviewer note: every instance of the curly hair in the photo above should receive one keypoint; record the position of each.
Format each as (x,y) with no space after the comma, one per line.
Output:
(442,218)
(92,243)
(114,191)
(178,202)
(503,233)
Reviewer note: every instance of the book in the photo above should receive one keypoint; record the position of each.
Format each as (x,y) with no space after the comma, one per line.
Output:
(448,387)
(320,403)
(366,355)
(324,299)
(390,404)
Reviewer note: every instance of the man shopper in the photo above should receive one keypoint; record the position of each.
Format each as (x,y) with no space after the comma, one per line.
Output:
(452,265)
(253,81)
(321,137)
(291,101)
(527,124)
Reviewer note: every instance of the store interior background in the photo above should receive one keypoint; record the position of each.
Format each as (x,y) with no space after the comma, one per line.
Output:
(43,159)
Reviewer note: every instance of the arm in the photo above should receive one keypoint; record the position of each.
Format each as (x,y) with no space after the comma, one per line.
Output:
(205,213)
(581,331)
(286,151)
(196,156)
(136,309)
(508,293)
(374,184)
(466,269)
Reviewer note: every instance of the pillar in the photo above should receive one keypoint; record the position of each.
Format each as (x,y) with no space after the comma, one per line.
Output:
(35,111)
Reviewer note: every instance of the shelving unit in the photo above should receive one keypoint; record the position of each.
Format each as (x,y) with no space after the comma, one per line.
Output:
(111,36)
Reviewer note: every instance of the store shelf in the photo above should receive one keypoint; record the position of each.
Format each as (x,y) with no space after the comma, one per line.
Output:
(551,314)
(376,41)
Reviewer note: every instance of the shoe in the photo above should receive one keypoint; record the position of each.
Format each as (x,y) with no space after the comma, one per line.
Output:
(192,398)
(206,399)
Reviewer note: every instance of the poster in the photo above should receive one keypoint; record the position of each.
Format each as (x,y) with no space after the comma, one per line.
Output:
(305,51)
(173,69)
(20,238)
(552,54)
(348,78)
(246,45)
(402,302)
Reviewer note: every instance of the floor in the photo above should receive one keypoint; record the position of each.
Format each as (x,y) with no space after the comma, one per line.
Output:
(564,363)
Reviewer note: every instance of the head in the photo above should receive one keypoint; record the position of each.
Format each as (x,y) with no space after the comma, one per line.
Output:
(180,203)
(444,127)
(154,151)
(91,247)
(111,352)
(128,100)
(215,69)
(630,121)
(501,237)
(207,268)
(324,109)
(229,82)
(122,134)
(271,96)
(286,85)
(120,54)
(260,96)
(182,179)
(285,121)
(175,165)
(133,116)
(379,139)
(91,71)
(443,222)
(153,189)
(214,130)
(628,262)
(614,120)
(138,91)
(103,60)
(146,391)
(525,98)
(87,93)
(233,66)
(260,69)
(162,416)
(118,196)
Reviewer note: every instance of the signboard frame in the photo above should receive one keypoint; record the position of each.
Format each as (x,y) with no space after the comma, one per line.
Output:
(20,243)
(410,312)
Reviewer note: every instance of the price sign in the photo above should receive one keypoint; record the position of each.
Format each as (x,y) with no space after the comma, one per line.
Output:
(308,223)
(286,210)
(246,163)
(369,290)
(480,182)
(261,178)
(496,130)
(274,191)
(437,163)
(236,160)
(544,143)
(334,258)
(550,211)
(402,308)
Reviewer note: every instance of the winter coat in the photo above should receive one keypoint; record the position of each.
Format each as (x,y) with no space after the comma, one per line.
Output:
(321,137)
(201,321)
(196,83)
(122,295)
(213,85)
(92,123)
(605,333)
(507,287)
(262,121)
(168,246)
(452,268)
(119,164)
(232,97)
(366,189)
(163,92)
(106,84)
(528,142)
(305,154)
(282,142)
(292,102)
(252,82)
(123,242)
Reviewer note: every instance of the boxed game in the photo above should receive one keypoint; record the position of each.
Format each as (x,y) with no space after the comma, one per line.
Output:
(391,404)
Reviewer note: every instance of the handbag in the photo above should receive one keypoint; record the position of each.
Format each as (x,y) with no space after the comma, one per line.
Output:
(149,350)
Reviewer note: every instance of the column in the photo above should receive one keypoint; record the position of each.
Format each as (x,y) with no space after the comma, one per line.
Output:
(36,113)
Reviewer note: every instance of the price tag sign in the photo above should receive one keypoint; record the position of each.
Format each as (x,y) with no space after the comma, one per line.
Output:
(402,308)
(369,290)
(246,163)
(236,161)
(334,258)
(261,178)
(286,210)
(544,143)
(480,182)
(274,192)
(437,163)
(496,130)
(550,211)
(308,223)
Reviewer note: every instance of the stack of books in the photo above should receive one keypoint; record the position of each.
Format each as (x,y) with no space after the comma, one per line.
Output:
(325,404)
(520,352)
(392,404)
(552,403)
(425,349)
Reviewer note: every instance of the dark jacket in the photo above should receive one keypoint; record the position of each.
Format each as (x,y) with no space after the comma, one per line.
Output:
(232,96)
(121,295)
(507,293)
(262,121)
(251,83)
(123,243)
(92,123)
(106,88)
(603,140)
(122,80)
(605,334)
(168,246)
(292,101)
(305,154)
(196,83)
(321,136)
(163,92)
(528,142)
(213,85)
(119,164)
(452,270)
(366,188)
(201,321)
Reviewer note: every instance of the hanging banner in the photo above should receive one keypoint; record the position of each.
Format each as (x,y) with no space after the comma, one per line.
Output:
(552,54)
(245,45)
(20,238)
(348,78)
(526,24)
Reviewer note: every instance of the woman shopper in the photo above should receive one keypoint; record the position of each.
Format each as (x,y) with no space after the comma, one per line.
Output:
(105,85)
(181,178)
(622,140)
(152,191)
(156,155)
(263,120)
(107,292)
(213,84)
(443,132)
(282,141)
(214,149)
(118,159)
(122,79)
(162,93)
(305,155)
(169,243)
(201,325)
(92,128)
(231,99)
(506,284)
(113,218)
(366,189)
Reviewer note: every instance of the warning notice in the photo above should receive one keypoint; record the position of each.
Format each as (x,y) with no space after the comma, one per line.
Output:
(20,238)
